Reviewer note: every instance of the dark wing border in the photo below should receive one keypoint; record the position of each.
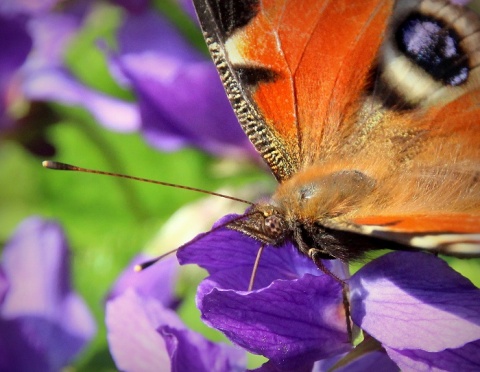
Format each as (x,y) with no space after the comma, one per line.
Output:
(218,20)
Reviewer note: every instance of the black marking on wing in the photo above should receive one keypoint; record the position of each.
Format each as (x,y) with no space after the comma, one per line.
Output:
(433,46)
(252,76)
(230,15)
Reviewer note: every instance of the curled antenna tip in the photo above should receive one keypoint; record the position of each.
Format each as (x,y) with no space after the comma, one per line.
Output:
(137,268)
(144,265)
(47,164)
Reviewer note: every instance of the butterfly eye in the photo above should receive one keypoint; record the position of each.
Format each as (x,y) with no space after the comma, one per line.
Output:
(434,47)
(274,226)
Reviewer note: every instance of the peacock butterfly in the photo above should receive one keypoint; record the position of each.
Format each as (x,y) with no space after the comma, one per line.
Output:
(367,113)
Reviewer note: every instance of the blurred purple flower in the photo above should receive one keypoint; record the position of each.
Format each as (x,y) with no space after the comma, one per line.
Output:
(33,49)
(15,44)
(44,324)
(144,334)
(27,6)
(133,6)
(46,78)
(148,282)
(180,97)
(181,101)
(424,314)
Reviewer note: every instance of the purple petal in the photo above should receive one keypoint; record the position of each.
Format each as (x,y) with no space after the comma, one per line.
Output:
(45,78)
(21,347)
(190,351)
(233,253)
(192,108)
(58,85)
(3,285)
(413,300)
(133,6)
(269,366)
(15,45)
(181,99)
(51,33)
(134,342)
(301,312)
(135,37)
(43,322)
(466,358)
(287,322)
(157,281)
(145,336)
(26,6)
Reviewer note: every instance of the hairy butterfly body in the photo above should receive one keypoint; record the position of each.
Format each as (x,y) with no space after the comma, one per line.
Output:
(368,115)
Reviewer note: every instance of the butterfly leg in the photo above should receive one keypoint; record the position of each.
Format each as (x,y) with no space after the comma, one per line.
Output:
(255,267)
(315,255)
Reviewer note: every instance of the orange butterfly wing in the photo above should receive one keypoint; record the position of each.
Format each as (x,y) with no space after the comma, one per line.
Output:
(288,91)
(444,217)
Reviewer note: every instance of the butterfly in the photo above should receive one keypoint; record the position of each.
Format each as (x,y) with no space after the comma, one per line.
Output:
(366,112)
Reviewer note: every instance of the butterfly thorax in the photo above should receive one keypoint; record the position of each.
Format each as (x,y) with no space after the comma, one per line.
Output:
(303,208)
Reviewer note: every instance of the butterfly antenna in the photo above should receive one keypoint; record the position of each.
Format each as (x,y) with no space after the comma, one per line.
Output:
(255,267)
(67,167)
(147,264)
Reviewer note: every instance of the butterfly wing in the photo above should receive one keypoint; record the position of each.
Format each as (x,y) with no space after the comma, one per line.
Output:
(287,70)
(435,200)
(453,234)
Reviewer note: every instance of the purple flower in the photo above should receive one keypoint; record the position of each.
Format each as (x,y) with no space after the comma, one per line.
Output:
(44,324)
(424,314)
(144,334)
(27,7)
(147,282)
(33,44)
(294,316)
(15,45)
(133,6)
(180,97)
(46,78)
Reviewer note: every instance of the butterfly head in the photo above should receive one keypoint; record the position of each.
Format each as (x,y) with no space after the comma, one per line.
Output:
(264,222)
